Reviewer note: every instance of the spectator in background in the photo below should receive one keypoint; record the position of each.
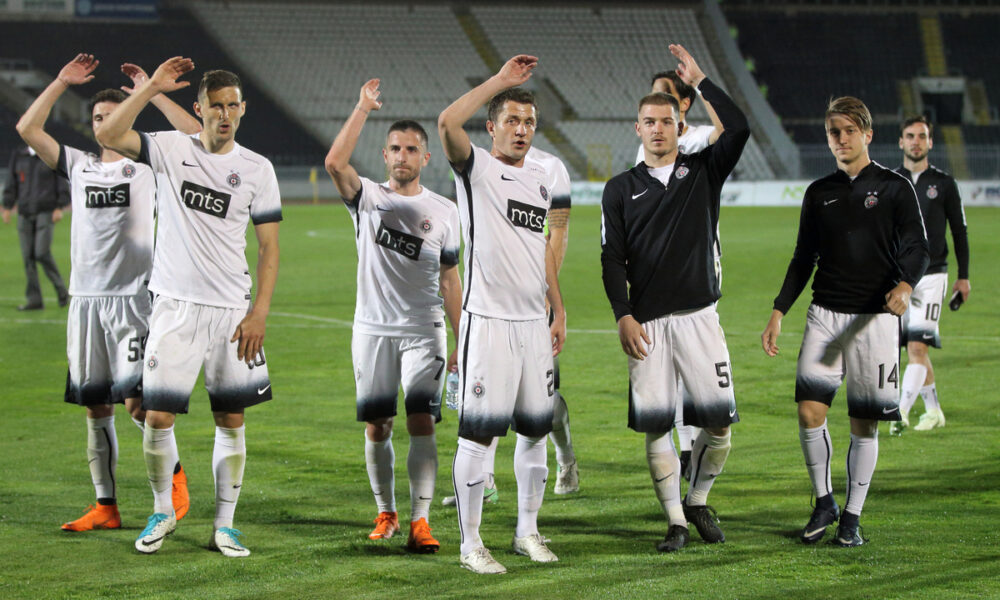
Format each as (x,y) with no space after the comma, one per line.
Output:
(39,196)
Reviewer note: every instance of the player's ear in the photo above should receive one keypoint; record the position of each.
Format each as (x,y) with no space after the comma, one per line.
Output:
(489,127)
(385,156)
(427,159)
(197,109)
(868,136)
(243,108)
(637,134)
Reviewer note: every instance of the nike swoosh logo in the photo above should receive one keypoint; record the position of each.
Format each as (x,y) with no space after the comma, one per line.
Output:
(506,178)
(830,201)
(662,478)
(238,486)
(886,411)
(863,484)
(814,532)
(151,542)
(927,336)
(187,164)
(379,208)
(634,196)
(732,413)
(423,498)
(260,391)
(89,171)
(475,483)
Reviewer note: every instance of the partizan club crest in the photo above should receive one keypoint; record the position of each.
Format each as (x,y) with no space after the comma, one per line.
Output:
(871,200)
(478,389)
(682,172)
(128,171)
(426,226)
(932,192)
(234,180)
(544,192)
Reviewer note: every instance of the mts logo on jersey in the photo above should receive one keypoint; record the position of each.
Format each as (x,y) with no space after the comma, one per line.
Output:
(103,197)
(526,215)
(203,199)
(397,241)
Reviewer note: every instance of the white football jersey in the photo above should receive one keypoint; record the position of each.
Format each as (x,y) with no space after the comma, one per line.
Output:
(402,243)
(111,234)
(503,210)
(695,139)
(558,178)
(205,202)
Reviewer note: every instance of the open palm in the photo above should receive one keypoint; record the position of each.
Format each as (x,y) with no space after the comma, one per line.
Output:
(79,70)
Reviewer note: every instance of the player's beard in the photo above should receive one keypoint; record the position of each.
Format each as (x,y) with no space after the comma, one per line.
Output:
(404,176)
(915,157)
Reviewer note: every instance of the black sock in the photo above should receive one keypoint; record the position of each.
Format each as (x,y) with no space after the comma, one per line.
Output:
(849,519)
(825,502)
(177,468)
(107,501)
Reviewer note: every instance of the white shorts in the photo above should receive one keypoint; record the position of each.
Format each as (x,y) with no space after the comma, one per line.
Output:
(920,322)
(862,349)
(506,377)
(688,348)
(183,336)
(381,363)
(105,337)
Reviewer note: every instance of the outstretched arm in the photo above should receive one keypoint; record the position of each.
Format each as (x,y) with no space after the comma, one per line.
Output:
(31,126)
(338,159)
(180,119)
(457,146)
(117,133)
(250,331)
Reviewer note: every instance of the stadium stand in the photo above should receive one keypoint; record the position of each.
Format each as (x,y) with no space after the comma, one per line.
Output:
(273,134)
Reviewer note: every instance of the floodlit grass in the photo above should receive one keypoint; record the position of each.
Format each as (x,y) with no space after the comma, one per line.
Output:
(932,516)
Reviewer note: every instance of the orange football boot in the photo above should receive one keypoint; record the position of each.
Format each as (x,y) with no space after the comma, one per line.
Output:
(102,516)
(386,526)
(421,540)
(179,494)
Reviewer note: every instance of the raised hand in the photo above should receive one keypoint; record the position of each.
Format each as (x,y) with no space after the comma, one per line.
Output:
(164,79)
(136,74)
(368,100)
(517,70)
(79,70)
(688,70)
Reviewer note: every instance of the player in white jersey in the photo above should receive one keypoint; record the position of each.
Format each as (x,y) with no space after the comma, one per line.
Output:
(692,139)
(111,252)
(210,189)
(557,227)
(408,243)
(506,346)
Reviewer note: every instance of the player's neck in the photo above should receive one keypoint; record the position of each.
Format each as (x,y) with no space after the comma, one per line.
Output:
(916,166)
(507,160)
(655,162)
(855,166)
(410,188)
(216,146)
(109,156)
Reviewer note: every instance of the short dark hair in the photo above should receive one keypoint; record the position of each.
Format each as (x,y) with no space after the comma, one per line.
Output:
(218,79)
(108,95)
(517,94)
(684,91)
(852,108)
(408,125)
(918,119)
(661,99)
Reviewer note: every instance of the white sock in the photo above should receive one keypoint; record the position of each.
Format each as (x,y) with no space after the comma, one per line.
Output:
(138,423)
(228,460)
(531,472)
(817,449)
(381,460)
(422,466)
(929,394)
(861,459)
(102,455)
(160,450)
(467,480)
(489,463)
(561,438)
(913,380)
(708,457)
(664,469)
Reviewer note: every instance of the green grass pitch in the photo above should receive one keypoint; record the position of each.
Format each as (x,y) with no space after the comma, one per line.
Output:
(932,516)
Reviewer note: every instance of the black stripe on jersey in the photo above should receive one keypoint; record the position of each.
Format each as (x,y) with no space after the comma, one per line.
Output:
(62,163)
(471,242)
(465,366)
(271,216)
(560,202)
(144,150)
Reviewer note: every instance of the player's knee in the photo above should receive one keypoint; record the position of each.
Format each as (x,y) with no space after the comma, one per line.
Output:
(100,411)
(229,420)
(718,431)
(420,424)
(379,430)
(917,352)
(864,427)
(811,414)
(158,419)
(135,410)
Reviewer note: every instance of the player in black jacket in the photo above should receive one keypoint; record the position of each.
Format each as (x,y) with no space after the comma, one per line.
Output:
(862,231)
(659,258)
(941,206)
